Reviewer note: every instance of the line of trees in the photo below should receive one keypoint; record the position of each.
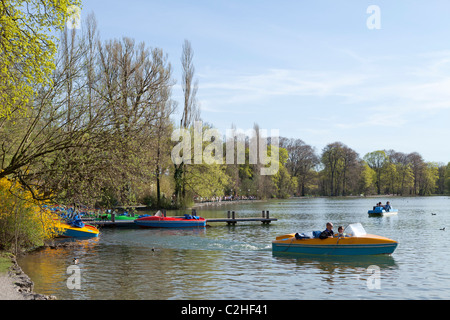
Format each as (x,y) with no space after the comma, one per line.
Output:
(98,132)
(343,172)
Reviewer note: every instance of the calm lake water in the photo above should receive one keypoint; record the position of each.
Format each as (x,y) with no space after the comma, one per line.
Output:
(236,262)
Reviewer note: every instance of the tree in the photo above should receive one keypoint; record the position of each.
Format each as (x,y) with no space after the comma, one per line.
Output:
(417,165)
(23,221)
(161,142)
(404,176)
(284,184)
(35,144)
(190,113)
(377,161)
(429,178)
(332,160)
(367,178)
(27,48)
(301,161)
(440,184)
(447,178)
(350,169)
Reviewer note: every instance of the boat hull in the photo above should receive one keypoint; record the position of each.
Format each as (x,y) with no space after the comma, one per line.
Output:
(367,245)
(73,232)
(381,213)
(169,222)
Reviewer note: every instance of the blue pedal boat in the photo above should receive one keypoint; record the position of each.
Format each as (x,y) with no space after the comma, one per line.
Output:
(380,211)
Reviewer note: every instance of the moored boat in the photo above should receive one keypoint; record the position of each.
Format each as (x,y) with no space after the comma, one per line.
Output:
(76,228)
(354,242)
(159,221)
(108,217)
(70,231)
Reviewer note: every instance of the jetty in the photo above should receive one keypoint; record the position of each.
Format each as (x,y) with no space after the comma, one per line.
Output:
(230,219)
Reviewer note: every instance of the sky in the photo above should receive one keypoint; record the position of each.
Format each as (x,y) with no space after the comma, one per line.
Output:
(321,71)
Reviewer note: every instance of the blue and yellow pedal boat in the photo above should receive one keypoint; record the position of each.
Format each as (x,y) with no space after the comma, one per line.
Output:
(87,231)
(355,241)
(75,228)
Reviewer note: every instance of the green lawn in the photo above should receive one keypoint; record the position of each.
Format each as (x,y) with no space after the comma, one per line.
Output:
(5,262)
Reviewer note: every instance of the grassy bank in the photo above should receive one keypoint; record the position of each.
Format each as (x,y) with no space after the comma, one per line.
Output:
(5,262)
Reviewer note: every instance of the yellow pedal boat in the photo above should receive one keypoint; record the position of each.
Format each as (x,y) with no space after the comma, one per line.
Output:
(354,242)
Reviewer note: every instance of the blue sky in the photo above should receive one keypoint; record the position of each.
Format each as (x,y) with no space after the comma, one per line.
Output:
(312,69)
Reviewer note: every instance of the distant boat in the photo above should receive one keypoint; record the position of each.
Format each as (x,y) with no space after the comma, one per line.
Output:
(117,217)
(159,221)
(380,211)
(354,242)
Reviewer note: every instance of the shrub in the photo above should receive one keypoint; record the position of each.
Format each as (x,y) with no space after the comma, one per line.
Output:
(24,222)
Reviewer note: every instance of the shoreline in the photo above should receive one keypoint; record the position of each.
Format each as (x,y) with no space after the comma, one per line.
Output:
(16,285)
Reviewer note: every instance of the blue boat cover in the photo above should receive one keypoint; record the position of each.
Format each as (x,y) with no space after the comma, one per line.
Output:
(190,217)
(316,234)
(76,222)
(308,235)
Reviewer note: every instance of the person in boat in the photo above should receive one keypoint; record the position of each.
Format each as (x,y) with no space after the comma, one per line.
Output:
(387,207)
(379,205)
(328,232)
(340,232)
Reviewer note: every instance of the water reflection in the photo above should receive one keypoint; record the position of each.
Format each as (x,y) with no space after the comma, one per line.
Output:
(332,263)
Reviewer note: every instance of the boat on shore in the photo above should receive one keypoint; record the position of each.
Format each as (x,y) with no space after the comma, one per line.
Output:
(355,241)
(160,221)
(381,211)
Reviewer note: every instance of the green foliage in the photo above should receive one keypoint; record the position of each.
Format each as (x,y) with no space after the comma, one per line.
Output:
(23,221)
(27,49)
(377,161)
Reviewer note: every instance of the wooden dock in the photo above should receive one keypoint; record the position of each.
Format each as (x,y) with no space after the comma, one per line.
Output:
(231,219)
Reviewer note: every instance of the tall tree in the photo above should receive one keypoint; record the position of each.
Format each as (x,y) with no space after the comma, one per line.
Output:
(377,161)
(417,165)
(190,113)
(331,158)
(301,161)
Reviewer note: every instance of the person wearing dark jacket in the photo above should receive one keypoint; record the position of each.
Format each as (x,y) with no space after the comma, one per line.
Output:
(328,232)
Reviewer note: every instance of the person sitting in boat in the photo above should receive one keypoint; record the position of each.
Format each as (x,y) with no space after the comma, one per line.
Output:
(340,232)
(379,205)
(328,232)
(387,207)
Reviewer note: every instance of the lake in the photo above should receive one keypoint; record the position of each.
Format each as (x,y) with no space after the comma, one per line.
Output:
(236,262)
